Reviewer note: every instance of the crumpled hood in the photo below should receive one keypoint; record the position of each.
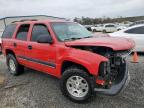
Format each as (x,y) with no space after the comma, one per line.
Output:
(111,42)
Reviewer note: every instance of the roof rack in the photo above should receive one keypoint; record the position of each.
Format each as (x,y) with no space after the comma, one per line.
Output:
(23,20)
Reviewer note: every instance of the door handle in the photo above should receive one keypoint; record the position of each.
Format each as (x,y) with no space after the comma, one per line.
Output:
(29,47)
(14,44)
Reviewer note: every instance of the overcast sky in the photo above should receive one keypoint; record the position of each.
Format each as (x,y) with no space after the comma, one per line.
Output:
(72,8)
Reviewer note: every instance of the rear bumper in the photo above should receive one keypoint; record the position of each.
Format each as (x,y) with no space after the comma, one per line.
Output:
(115,89)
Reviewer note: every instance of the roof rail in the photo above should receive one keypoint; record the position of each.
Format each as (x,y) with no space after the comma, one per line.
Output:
(25,20)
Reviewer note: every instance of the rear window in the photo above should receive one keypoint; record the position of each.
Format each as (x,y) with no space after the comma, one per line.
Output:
(8,32)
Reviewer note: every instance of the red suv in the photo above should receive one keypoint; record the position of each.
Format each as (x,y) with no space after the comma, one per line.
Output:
(84,63)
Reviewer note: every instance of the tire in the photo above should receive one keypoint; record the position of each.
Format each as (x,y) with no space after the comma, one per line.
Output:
(68,84)
(94,30)
(104,31)
(13,66)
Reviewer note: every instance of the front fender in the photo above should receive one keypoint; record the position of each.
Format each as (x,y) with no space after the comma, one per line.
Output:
(89,60)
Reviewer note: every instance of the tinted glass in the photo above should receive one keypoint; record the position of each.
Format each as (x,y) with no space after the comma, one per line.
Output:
(137,30)
(23,32)
(8,32)
(38,30)
(109,26)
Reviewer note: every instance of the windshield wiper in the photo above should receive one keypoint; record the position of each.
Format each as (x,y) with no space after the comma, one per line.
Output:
(73,38)
(88,37)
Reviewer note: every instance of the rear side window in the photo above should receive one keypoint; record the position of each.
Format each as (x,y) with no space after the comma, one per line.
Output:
(109,26)
(39,29)
(8,32)
(23,32)
(137,30)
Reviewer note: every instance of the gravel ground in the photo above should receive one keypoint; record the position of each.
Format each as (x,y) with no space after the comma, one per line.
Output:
(33,89)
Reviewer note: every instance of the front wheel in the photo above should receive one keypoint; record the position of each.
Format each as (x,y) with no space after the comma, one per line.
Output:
(76,84)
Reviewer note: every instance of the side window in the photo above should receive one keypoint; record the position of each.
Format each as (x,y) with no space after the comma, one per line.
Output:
(109,26)
(137,30)
(39,29)
(23,32)
(8,32)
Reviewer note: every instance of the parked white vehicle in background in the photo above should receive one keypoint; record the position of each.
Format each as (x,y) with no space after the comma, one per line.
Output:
(136,33)
(108,28)
(97,28)
(120,27)
(137,22)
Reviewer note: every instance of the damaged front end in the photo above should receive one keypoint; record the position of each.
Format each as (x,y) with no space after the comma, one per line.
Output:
(113,74)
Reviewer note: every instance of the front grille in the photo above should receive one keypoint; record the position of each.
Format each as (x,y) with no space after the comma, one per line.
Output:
(112,71)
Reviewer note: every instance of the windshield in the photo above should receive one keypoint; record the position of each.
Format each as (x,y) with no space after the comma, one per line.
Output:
(66,31)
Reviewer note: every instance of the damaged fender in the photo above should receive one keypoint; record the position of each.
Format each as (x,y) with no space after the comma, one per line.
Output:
(89,60)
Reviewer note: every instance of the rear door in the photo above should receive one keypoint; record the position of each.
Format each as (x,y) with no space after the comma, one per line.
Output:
(110,28)
(41,56)
(20,42)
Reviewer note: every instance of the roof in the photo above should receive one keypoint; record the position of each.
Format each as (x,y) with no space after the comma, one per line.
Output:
(38,21)
(131,27)
(30,16)
(137,25)
(8,20)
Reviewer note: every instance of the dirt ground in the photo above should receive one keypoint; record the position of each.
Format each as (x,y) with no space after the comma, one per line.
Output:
(33,89)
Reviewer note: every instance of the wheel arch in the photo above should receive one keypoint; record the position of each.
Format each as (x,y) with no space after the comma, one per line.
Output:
(9,51)
(66,64)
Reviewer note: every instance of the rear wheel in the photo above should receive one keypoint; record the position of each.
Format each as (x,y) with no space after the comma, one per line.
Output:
(76,84)
(14,67)
(94,30)
(104,31)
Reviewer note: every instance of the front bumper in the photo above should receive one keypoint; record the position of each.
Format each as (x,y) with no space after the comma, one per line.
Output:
(115,89)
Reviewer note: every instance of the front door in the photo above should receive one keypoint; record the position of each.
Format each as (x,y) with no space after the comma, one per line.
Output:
(41,56)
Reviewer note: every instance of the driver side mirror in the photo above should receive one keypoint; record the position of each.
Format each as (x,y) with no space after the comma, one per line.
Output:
(44,39)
